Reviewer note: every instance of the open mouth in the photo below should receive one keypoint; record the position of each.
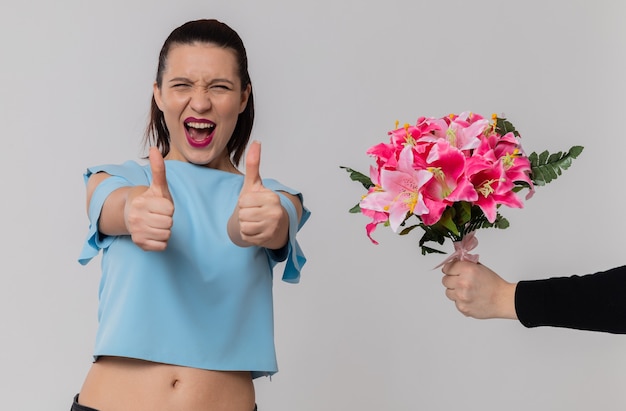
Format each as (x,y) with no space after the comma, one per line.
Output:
(199,132)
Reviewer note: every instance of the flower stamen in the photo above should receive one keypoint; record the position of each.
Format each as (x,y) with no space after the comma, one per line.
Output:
(440,176)
(451,136)
(509,159)
(485,188)
(409,140)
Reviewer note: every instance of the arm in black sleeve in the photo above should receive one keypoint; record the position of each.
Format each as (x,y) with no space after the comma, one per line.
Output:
(594,302)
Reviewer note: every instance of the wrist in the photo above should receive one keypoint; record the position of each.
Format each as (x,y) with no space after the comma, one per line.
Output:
(129,194)
(506,301)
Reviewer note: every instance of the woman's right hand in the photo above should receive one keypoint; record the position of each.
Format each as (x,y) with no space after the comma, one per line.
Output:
(149,211)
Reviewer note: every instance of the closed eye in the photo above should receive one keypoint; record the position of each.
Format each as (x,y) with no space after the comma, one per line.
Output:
(180,82)
(221,87)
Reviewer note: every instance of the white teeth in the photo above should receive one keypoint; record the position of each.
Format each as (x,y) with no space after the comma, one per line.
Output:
(200,125)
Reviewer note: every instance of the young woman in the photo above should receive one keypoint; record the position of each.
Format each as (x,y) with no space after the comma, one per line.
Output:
(189,243)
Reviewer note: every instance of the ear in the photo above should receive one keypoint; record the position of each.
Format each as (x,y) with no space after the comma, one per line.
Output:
(156,91)
(245,94)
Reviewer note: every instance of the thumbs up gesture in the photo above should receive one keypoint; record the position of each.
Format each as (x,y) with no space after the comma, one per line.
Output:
(149,211)
(259,218)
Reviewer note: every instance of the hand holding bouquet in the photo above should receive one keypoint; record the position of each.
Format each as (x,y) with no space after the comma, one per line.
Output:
(449,176)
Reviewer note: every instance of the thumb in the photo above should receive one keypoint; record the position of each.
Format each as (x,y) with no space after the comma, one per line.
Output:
(252,178)
(157,166)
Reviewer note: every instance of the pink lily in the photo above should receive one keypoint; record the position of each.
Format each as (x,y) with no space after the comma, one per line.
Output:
(508,150)
(399,191)
(385,155)
(450,184)
(377,218)
(411,134)
(492,186)
(463,131)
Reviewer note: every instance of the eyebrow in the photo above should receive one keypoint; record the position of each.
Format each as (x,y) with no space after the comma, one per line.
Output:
(185,79)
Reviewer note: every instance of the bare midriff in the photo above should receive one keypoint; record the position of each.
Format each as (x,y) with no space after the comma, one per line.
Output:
(120,384)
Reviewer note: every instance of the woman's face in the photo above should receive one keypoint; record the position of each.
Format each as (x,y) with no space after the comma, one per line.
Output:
(201,98)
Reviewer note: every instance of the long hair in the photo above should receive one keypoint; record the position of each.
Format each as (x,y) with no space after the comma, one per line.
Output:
(213,32)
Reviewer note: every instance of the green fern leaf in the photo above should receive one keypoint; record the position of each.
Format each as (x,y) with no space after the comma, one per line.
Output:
(504,126)
(546,167)
(543,158)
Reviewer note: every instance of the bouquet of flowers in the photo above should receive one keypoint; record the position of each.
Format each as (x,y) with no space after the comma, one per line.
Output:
(449,177)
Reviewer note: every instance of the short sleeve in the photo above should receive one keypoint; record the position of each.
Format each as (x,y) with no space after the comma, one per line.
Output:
(292,254)
(128,174)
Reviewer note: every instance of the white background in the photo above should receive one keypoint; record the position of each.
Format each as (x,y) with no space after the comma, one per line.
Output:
(369,327)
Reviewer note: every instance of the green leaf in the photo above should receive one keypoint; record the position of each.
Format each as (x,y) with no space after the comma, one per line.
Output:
(554,157)
(575,151)
(431,234)
(446,221)
(552,173)
(537,176)
(428,250)
(359,177)
(501,222)
(463,213)
(479,220)
(355,209)
(504,126)
(407,230)
(548,167)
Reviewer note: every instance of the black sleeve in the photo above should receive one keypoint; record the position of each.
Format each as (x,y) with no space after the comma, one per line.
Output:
(594,302)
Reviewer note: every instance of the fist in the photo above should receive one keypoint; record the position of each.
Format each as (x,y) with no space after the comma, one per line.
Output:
(149,211)
(260,215)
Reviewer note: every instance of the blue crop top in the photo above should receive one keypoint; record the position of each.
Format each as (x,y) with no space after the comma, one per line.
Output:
(204,302)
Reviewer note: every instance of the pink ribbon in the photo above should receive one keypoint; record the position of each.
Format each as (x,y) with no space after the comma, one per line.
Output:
(462,249)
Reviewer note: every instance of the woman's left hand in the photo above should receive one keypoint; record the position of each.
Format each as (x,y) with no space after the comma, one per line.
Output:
(261,219)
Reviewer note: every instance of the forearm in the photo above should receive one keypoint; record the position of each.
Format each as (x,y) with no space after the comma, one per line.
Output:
(592,302)
(112,219)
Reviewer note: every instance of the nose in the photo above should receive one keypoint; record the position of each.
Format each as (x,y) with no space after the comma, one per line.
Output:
(200,101)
